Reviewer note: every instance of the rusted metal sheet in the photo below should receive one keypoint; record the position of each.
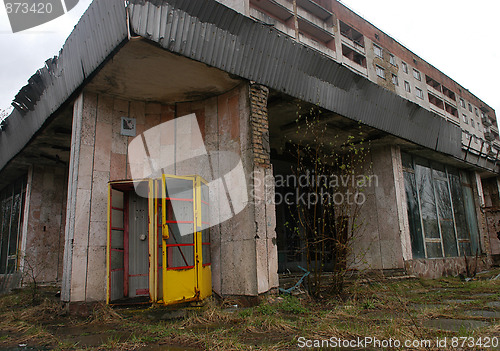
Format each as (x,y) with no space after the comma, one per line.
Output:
(100,30)
(220,37)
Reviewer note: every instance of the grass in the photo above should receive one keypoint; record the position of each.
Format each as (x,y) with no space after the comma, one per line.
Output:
(379,309)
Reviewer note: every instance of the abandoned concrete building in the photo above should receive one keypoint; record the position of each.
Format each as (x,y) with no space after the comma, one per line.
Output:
(156,106)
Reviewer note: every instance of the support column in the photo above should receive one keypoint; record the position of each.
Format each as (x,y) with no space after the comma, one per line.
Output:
(84,268)
(263,184)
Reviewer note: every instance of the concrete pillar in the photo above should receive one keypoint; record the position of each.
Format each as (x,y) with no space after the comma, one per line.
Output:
(383,241)
(85,234)
(244,247)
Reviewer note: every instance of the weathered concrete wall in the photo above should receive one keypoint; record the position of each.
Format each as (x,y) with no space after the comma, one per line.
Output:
(43,245)
(492,216)
(451,266)
(243,249)
(493,224)
(382,241)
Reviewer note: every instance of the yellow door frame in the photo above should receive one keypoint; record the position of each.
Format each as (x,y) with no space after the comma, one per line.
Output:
(197,277)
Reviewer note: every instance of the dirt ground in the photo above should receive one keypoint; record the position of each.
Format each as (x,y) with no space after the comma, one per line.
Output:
(406,314)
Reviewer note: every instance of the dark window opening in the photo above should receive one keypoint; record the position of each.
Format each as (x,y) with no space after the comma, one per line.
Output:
(451,110)
(12,200)
(433,83)
(354,56)
(436,101)
(352,34)
(449,93)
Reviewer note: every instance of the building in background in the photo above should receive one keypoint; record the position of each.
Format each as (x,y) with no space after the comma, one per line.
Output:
(68,184)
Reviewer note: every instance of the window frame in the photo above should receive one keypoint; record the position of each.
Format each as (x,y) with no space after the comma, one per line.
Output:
(419,93)
(404,66)
(381,70)
(395,80)
(458,201)
(378,51)
(417,75)
(17,189)
(392,59)
(407,86)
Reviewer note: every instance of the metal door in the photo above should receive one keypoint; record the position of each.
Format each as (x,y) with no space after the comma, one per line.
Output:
(137,252)
(179,254)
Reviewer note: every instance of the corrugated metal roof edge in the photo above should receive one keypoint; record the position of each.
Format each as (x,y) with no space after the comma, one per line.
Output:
(338,89)
(271,58)
(52,86)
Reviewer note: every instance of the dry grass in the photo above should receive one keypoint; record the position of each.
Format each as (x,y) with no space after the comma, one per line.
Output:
(380,309)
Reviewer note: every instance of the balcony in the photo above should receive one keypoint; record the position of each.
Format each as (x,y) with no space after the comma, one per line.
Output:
(486,121)
(315,9)
(489,136)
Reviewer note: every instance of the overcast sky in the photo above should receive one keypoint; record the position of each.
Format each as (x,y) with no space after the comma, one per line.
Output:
(459,37)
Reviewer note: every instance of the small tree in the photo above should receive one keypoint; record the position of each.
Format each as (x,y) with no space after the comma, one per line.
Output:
(329,220)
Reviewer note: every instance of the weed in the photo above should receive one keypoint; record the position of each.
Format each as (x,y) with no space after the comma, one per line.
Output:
(292,304)
(368,304)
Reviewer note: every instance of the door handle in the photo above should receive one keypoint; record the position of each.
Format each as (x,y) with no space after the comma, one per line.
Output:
(164,232)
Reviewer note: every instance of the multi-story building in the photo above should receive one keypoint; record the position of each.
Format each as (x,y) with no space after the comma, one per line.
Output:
(147,97)
(347,38)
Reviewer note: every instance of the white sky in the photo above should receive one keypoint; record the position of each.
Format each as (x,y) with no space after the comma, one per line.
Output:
(459,37)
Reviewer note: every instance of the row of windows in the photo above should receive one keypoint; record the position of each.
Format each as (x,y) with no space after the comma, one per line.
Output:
(472,122)
(380,71)
(475,138)
(472,109)
(418,76)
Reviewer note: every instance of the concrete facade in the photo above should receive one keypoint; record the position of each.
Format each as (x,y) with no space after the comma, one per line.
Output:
(243,259)
(46,212)
(65,223)
(384,239)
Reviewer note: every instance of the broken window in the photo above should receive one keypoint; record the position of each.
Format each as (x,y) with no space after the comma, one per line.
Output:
(451,109)
(407,86)
(11,219)
(477,113)
(472,123)
(445,211)
(441,211)
(470,108)
(380,71)
(354,56)
(420,93)
(433,83)
(377,50)
(464,117)
(462,102)
(436,101)
(447,92)
(352,34)
(413,208)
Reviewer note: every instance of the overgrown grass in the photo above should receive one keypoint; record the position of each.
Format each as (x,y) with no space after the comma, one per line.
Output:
(380,309)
